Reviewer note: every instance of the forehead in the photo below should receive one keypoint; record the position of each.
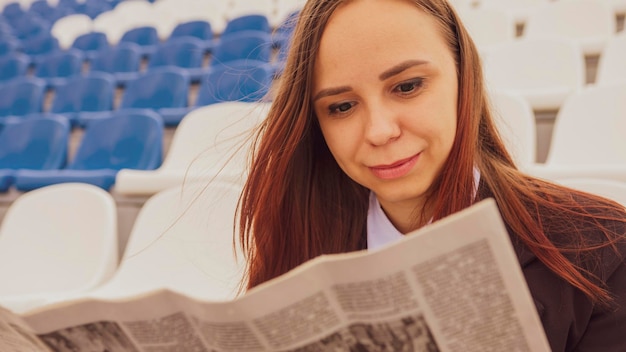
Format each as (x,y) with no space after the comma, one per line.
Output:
(378,32)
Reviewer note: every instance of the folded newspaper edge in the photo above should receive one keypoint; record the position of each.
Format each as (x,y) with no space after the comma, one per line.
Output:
(454,285)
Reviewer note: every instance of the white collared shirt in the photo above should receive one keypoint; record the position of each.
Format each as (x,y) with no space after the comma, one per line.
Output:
(380,230)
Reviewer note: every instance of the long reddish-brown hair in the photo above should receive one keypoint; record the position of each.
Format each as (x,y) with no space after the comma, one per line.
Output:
(298,204)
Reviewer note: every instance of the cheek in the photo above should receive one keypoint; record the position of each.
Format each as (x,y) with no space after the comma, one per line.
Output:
(341,141)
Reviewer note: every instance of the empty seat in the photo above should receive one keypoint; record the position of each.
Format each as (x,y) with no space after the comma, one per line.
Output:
(618,6)
(30,26)
(518,9)
(129,139)
(39,46)
(123,61)
(56,68)
(245,81)
(612,64)
(9,45)
(34,143)
(43,9)
(588,136)
(239,80)
(210,142)
(164,90)
(197,29)
(90,44)
(146,37)
(544,71)
(21,96)
(13,66)
(488,26)
(84,98)
(250,22)
(58,240)
(516,125)
(12,10)
(590,128)
(589,22)
(182,240)
(243,45)
(184,52)
(56,13)
(611,189)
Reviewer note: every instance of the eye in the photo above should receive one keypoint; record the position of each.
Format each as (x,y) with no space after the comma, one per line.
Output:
(340,108)
(409,86)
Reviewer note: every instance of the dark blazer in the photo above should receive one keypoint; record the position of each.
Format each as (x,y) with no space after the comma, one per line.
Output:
(570,320)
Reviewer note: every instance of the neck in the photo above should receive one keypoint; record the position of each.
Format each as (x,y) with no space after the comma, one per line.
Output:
(406,217)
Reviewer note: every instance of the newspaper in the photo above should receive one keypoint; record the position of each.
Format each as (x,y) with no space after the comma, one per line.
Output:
(455,285)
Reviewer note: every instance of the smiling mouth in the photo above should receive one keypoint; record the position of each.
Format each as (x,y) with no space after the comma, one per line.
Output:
(395,170)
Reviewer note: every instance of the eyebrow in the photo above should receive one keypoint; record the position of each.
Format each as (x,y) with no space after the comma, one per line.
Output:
(397,69)
(331,91)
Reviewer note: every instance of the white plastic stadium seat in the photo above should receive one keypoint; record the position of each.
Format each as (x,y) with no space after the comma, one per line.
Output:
(182,240)
(588,137)
(610,189)
(517,126)
(211,141)
(488,26)
(589,22)
(518,9)
(612,64)
(57,240)
(544,71)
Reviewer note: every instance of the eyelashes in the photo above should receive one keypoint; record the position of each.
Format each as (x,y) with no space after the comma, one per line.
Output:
(405,89)
(340,108)
(408,87)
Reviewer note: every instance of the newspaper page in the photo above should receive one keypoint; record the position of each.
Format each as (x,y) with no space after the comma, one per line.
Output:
(455,285)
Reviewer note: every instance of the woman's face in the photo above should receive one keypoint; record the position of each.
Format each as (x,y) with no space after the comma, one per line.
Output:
(385,94)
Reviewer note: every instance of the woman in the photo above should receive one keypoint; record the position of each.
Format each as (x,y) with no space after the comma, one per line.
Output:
(380,126)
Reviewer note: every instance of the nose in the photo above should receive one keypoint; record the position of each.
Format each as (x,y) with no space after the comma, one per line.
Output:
(383,125)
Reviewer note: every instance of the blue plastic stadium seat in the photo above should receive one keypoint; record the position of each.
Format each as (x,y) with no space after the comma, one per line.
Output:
(40,7)
(122,60)
(146,37)
(162,89)
(40,46)
(34,144)
(30,26)
(245,81)
(9,45)
(240,80)
(130,139)
(196,29)
(56,68)
(184,52)
(84,98)
(242,45)
(12,10)
(13,66)
(21,96)
(253,22)
(91,43)
(49,12)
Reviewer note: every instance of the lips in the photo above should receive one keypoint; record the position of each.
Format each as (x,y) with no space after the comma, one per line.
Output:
(395,170)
